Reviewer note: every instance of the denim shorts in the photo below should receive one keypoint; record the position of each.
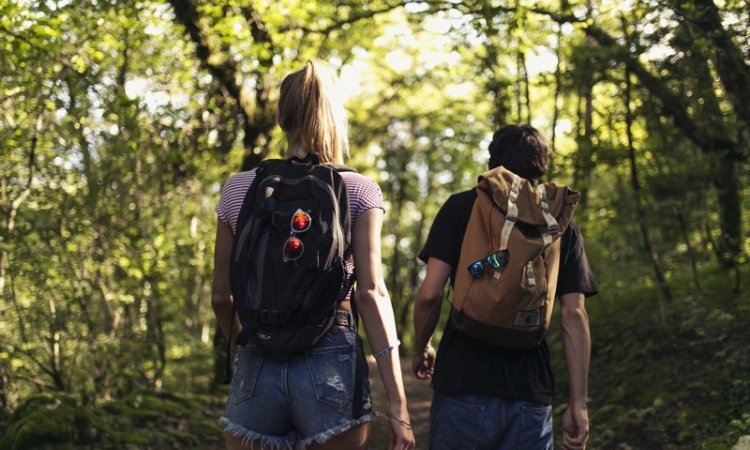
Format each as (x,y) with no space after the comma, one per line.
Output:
(475,422)
(291,401)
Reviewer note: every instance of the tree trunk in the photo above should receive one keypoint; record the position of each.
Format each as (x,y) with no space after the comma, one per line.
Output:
(518,90)
(413,281)
(730,61)
(583,162)
(691,252)
(495,85)
(556,99)
(661,281)
(394,286)
(526,87)
(730,204)
(55,347)
(220,358)
(4,404)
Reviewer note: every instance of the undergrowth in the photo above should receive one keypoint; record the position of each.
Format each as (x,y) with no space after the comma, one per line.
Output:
(666,374)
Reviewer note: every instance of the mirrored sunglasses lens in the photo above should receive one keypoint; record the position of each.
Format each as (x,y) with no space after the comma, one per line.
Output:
(476,269)
(498,260)
(293,248)
(301,221)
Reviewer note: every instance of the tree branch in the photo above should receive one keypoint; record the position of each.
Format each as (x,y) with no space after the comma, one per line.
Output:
(672,105)
(731,66)
(64,62)
(226,72)
(256,117)
(354,18)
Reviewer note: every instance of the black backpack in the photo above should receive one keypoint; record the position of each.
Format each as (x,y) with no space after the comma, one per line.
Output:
(288,262)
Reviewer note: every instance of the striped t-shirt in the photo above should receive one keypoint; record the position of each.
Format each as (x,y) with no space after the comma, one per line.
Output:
(363,193)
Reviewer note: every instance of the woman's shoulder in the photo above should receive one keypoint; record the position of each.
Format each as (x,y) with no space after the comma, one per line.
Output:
(239,181)
(364,193)
(242,177)
(357,181)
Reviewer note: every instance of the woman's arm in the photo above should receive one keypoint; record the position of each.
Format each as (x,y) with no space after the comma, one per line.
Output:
(374,306)
(221,293)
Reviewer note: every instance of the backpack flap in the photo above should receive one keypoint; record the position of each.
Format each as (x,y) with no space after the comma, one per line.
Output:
(561,200)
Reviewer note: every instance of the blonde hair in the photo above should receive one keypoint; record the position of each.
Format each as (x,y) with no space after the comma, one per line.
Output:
(311,112)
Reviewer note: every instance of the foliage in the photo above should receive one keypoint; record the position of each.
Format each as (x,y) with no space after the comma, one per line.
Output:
(141,420)
(119,120)
(679,384)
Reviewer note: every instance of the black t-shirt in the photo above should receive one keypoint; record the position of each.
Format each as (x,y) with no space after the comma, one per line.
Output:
(467,366)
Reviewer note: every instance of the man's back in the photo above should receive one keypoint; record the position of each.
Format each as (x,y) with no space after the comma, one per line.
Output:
(467,365)
(488,397)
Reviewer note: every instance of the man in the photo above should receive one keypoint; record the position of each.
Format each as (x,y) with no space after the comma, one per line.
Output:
(487,397)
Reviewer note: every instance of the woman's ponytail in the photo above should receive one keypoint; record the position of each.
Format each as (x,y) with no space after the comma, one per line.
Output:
(311,112)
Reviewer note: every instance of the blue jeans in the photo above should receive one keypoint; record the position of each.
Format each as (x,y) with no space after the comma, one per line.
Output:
(292,401)
(475,422)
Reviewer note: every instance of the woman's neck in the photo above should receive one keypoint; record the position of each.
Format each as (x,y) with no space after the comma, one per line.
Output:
(297,150)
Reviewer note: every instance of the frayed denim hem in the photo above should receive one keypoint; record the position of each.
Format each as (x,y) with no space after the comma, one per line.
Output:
(326,435)
(274,442)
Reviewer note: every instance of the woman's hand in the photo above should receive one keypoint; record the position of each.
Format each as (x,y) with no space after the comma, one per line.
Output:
(401,434)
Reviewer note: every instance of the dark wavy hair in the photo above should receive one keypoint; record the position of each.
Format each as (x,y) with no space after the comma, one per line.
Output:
(522,149)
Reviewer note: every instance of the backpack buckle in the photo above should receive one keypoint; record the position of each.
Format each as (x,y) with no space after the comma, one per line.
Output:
(272,316)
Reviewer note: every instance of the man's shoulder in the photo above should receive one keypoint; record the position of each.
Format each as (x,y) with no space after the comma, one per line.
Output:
(462,198)
(573,233)
(573,228)
(458,204)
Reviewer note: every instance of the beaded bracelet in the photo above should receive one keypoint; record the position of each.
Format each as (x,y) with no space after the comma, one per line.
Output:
(406,424)
(385,351)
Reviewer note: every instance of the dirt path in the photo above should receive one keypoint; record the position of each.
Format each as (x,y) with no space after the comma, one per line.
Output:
(419,395)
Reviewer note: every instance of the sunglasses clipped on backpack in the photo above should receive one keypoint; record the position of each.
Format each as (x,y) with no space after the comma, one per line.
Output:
(293,246)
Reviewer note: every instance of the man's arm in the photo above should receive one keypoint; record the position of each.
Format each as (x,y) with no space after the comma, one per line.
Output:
(576,340)
(426,314)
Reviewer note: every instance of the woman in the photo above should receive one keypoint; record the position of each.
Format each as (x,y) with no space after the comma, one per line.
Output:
(283,411)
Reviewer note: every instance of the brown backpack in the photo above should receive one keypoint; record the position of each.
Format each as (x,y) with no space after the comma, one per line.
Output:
(510,258)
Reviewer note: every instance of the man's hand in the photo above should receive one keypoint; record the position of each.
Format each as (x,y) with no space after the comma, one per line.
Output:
(575,426)
(424,363)
(427,305)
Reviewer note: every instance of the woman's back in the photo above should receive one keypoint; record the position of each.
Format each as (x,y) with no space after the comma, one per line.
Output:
(317,396)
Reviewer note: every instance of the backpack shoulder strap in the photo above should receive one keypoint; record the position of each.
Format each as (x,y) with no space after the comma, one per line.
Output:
(511,214)
(340,168)
(261,172)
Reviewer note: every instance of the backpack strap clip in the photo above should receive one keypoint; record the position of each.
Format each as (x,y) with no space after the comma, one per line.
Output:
(552,226)
(512,215)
